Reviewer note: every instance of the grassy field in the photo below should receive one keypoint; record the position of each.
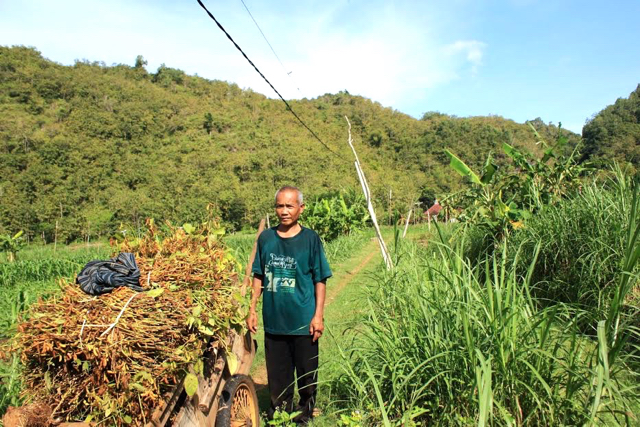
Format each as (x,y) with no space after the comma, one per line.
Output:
(441,339)
(542,330)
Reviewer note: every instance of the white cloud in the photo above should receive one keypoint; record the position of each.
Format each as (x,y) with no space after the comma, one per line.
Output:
(382,51)
(392,58)
(473,51)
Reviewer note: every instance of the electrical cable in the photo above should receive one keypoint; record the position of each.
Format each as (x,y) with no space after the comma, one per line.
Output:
(271,47)
(268,82)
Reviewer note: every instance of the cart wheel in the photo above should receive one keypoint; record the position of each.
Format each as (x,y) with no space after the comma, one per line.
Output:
(238,404)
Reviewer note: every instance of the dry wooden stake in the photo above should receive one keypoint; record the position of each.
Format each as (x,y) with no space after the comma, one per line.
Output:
(367,194)
(406,225)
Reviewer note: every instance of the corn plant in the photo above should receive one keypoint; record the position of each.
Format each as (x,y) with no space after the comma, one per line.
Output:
(10,384)
(11,245)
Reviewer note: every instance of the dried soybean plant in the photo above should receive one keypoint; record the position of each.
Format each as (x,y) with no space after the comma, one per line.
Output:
(116,356)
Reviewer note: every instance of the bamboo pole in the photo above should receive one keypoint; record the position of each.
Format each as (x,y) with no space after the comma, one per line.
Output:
(246,283)
(406,225)
(367,194)
(389,213)
(55,238)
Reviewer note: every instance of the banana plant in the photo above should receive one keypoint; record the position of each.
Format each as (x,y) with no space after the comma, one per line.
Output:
(505,199)
(485,199)
(333,216)
(548,179)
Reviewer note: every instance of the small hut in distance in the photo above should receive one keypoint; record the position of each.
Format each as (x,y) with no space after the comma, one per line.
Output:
(433,211)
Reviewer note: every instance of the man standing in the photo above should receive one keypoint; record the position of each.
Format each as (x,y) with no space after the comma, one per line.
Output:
(291,268)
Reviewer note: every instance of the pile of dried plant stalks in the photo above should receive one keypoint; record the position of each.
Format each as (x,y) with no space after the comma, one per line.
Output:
(114,357)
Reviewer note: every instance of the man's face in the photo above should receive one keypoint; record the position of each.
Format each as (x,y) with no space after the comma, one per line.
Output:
(287,207)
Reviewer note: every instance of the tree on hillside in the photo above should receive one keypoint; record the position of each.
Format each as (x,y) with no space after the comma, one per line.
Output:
(614,133)
(140,62)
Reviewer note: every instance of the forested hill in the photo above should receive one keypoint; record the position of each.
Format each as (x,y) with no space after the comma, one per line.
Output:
(91,146)
(614,133)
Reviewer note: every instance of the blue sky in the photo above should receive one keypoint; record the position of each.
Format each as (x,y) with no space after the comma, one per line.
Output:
(561,60)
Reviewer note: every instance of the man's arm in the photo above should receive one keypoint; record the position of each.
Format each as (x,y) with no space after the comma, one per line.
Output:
(317,323)
(252,318)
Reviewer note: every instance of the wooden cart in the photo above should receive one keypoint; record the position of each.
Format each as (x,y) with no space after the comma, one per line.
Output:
(226,394)
(225,397)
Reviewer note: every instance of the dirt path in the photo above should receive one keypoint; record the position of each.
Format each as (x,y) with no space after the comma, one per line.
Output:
(335,291)
(368,253)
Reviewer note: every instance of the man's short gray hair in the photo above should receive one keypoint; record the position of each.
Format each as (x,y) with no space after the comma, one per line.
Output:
(290,188)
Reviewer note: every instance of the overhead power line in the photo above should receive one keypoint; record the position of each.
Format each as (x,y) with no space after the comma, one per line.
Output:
(266,80)
(271,47)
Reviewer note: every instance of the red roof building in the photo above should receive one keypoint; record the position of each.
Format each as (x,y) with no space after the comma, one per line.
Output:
(433,211)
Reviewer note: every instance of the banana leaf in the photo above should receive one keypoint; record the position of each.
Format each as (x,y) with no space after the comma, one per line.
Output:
(460,167)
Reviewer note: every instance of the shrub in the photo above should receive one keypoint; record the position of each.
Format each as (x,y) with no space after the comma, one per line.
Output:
(336,214)
(500,199)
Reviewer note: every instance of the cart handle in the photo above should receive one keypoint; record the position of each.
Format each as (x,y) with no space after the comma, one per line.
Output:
(246,283)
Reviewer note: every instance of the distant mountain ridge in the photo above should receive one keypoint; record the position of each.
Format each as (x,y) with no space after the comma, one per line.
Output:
(86,148)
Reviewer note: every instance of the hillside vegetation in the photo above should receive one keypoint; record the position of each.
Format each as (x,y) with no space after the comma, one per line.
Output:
(614,133)
(88,148)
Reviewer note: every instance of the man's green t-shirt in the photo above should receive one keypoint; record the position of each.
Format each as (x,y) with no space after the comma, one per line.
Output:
(291,266)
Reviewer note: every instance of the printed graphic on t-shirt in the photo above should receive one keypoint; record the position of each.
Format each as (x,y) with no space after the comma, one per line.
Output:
(281,274)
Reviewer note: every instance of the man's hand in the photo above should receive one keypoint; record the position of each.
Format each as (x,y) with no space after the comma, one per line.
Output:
(252,321)
(316,328)
(252,318)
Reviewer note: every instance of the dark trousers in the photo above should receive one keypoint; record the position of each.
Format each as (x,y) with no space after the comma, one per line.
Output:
(285,354)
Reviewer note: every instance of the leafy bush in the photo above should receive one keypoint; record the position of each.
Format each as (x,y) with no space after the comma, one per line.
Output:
(336,214)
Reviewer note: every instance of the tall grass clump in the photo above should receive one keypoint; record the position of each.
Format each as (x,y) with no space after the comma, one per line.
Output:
(582,243)
(447,342)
